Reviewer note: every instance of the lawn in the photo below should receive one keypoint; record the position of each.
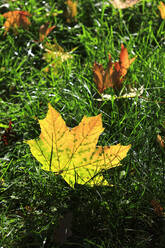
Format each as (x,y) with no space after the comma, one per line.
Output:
(38,208)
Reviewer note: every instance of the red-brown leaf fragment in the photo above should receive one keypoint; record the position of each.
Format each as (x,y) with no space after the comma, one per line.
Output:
(157,208)
(44,31)
(7,134)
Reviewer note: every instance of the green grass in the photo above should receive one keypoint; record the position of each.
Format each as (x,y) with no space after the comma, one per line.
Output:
(32,200)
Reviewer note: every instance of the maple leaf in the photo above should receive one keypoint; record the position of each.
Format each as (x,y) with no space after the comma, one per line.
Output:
(119,4)
(161,8)
(73,153)
(71,11)
(114,75)
(44,31)
(16,19)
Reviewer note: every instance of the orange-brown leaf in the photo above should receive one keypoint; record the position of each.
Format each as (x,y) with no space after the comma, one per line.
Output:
(161,8)
(114,75)
(44,31)
(16,19)
(161,141)
(98,76)
(109,75)
(125,62)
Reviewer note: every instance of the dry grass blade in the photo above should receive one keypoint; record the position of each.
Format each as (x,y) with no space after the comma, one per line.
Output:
(119,4)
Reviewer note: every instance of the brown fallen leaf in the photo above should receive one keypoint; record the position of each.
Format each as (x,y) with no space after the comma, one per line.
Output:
(157,208)
(114,75)
(119,4)
(161,8)
(16,19)
(44,31)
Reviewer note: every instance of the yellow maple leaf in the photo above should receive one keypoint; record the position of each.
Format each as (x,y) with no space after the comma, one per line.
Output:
(16,19)
(73,152)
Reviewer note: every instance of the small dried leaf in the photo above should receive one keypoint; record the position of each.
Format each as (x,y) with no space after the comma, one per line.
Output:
(45,31)
(114,75)
(120,4)
(157,208)
(161,141)
(124,62)
(71,11)
(161,8)
(16,19)
(99,72)
(8,134)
